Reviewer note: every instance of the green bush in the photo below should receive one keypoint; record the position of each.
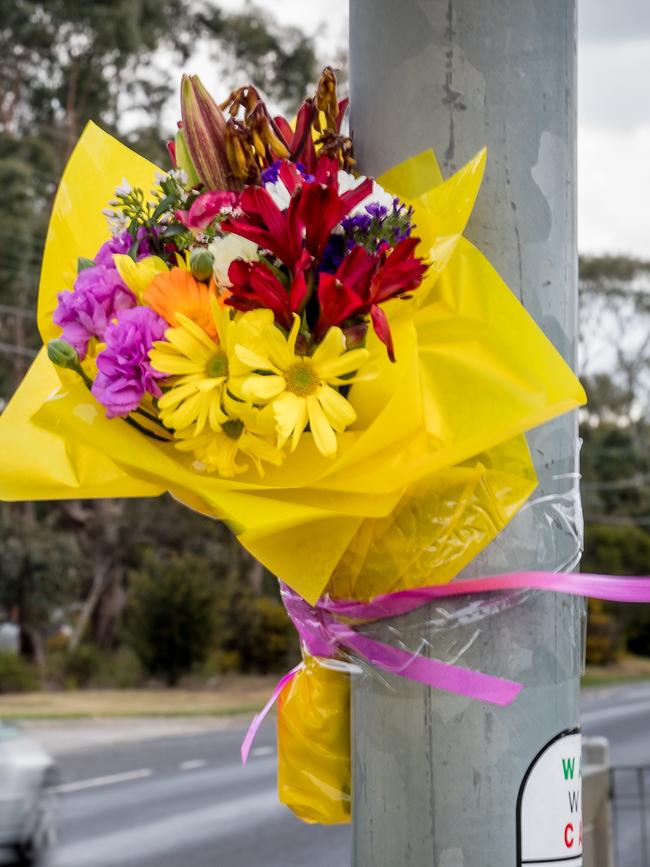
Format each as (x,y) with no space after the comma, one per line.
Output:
(277,641)
(619,550)
(603,635)
(16,674)
(170,622)
(220,662)
(122,670)
(256,628)
(81,666)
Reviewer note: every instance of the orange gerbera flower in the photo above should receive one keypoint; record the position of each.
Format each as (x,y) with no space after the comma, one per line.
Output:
(177,291)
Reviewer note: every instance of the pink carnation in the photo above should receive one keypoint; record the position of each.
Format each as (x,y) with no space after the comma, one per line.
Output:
(206,207)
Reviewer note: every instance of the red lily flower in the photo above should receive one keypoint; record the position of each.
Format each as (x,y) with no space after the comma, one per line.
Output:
(300,141)
(365,280)
(315,209)
(255,285)
(280,232)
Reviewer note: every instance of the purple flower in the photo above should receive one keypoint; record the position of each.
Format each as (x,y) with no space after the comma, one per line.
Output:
(377,210)
(99,294)
(271,174)
(124,373)
(122,243)
(334,253)
(359,223)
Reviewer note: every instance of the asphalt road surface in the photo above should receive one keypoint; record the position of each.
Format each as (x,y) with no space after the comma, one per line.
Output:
(185,801)
(622,715)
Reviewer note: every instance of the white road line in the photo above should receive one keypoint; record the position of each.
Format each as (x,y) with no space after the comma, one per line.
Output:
(153,838)
(192,764)
(619,712)
(98,782)
(263,751)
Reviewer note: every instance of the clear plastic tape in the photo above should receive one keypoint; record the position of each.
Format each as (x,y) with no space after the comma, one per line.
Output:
(484,632)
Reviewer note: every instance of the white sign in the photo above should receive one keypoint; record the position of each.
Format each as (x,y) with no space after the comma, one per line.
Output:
(549,821)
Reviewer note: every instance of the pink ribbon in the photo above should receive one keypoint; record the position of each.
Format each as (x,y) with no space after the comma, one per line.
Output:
(323,634)
(254,727)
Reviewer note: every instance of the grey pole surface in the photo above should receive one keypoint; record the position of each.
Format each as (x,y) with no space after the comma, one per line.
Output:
(436,777)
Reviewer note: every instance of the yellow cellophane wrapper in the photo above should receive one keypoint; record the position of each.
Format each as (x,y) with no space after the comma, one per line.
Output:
(314,744)
(434,467)
(473,371)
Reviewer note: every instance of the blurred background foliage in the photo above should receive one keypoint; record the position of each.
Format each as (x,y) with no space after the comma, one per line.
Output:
(114,593)
(117,593)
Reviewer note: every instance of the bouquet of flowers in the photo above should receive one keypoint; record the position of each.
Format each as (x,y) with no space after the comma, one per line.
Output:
(318,358)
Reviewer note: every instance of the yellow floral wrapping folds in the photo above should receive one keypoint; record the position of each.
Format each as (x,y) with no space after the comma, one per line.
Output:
(314,744)
(434,467)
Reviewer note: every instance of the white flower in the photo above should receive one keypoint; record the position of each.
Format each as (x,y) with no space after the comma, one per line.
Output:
(124,188)
(379,195)
(116,222)
(279,193)
(225,250)
(346,181)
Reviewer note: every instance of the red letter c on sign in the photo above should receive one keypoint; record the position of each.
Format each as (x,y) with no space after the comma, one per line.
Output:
(568,836)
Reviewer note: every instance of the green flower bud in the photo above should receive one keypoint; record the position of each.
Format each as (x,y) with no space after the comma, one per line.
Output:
(204,134)
(184,162)
(201,264)
(62,354)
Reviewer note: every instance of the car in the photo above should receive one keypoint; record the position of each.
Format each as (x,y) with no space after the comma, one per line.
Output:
(28,778)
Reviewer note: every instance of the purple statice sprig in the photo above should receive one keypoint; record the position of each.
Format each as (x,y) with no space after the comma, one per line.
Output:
(379,225)
(375,227)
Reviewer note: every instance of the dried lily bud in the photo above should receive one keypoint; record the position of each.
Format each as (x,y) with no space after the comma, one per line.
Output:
(339,147)
(326,100)
(266,135)
(240,153)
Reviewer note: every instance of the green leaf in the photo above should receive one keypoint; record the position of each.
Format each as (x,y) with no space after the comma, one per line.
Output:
(83,263)
(163,205)
(174,229)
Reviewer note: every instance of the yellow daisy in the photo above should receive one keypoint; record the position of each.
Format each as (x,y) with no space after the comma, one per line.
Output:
(302,389)
(199,367)
(244,434)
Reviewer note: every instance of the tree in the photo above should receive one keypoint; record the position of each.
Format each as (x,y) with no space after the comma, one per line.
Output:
(38,573)
(118,62)
(615,351)
(172,615)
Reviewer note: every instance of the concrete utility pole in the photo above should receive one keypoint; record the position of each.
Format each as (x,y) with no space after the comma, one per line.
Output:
(437,778)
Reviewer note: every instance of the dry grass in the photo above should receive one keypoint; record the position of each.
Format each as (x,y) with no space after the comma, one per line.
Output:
(628,668)
(233,696)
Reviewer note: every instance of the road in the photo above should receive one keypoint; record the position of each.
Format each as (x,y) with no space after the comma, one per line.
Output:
(185,801)
(622,715)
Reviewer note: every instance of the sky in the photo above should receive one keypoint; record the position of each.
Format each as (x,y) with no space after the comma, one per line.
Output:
(613,113)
